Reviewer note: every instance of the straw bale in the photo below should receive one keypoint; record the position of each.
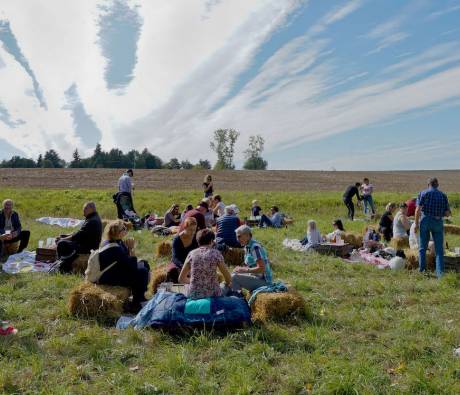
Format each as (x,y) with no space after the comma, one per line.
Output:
(399,243)
(10,248)
(277,305)
(80,264)
(233,256)
(452,229)
(157,276)
(164,249)
(354,239)
(412,261)
(101,301)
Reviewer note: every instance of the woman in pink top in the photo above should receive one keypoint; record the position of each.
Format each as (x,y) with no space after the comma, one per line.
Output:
(202,265)
(366,191)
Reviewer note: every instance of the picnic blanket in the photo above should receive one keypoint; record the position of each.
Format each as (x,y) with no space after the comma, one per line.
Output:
(294,244)
(363,256)
(24,262)
(62,222)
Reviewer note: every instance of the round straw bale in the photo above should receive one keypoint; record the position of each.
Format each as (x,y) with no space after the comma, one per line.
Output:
(452,229)
(412,259)
(157,276)
(399,243)
(277,305)
(233,256)
(10,248)
(101,301)
(164,249)
(354,239)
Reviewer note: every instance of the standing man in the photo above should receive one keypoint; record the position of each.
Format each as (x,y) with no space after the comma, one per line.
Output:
(351,191)
(432,207)
(125,188)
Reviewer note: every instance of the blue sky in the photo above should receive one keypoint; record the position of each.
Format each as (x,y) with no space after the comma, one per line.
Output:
(345,85)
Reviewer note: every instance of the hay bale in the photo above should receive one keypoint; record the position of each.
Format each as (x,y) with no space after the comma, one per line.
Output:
(10,248)
(277,305)
(354,239)
(233,256)
(412,261)
(101,301)
(452,229)
(399,243)
(164,249)
(80,264)
(157,276)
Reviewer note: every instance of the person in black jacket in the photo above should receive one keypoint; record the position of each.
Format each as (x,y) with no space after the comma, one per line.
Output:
(11,230)
(83,241)
(127,270)
(351,191)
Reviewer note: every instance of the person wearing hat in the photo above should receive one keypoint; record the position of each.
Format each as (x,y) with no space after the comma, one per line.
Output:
(126,187)
(197,213)
(226,226)
(274,221)
(432,207)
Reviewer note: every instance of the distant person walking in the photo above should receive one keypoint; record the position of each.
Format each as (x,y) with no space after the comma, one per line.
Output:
(366,190)
(208,187)
(350,192)
(126,187)
(432,207)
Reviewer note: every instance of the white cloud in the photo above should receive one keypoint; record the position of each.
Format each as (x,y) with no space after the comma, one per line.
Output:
(445,11)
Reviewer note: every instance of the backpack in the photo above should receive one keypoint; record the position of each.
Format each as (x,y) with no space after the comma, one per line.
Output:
(93,272)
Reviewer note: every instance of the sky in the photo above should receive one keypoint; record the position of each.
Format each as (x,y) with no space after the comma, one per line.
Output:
(344,85)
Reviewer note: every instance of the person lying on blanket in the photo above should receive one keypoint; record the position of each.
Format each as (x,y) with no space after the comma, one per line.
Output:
(257,271)
(202,264)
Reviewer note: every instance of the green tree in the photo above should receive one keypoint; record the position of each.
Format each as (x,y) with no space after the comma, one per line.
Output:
(76,161)
(173,164)
(151,161)
(18,162)
(203,164)
(253,154)
(185,164)
(40,161)
(99,157)
(53,157)
(223,145)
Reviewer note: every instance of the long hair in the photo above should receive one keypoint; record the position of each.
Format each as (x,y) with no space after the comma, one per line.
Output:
(113,230)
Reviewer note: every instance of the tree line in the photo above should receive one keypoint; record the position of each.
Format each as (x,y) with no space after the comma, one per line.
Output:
(222,143)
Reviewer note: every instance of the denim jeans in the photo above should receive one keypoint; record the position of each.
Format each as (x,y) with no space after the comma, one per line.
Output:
(368,202)
(264,220)
(435,227)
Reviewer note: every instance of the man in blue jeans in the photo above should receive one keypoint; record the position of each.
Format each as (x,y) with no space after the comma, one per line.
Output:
(432,207)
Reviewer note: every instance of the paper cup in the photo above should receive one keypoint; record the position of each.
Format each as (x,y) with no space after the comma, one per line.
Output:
(40,243)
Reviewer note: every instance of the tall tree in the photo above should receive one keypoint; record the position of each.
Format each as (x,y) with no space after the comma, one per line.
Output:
(253,154)
(203,164)
(99,156)
(173,164)
(40,161)
(223,145)
(151,161)
(76,160)
(187,165)
(53,158)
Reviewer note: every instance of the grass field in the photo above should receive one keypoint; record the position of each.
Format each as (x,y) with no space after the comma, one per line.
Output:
(369,331)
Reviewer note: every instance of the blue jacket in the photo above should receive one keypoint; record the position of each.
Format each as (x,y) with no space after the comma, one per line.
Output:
(14,221)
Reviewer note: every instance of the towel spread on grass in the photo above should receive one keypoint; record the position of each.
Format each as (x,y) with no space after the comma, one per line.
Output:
(275,287)
(62,222)
(24,262)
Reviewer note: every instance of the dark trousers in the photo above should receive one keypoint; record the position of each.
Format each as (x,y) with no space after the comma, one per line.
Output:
(67,252)
(351,208)
(23,239)
(264,220)
(387,233)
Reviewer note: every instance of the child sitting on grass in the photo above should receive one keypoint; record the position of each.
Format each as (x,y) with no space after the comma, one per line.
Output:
(313,237)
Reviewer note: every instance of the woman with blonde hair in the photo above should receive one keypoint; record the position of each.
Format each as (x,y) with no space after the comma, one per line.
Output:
(125,270)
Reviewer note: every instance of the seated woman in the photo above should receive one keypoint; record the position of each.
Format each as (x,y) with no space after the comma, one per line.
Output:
(127,271)
(255,209)
(172,217)
(218,207)
(202,265)
(208,214)
(13,238)
(339,230)
(182,244)
(313,237)
(257,271)
(401,223)
(188,208)
(386,222)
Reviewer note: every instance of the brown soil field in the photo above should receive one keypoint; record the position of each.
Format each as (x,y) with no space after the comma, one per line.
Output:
(239,180)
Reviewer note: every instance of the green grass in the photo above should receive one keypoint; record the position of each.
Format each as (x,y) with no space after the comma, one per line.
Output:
(370,331)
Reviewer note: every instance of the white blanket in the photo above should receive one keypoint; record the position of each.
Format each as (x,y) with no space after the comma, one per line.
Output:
(24,262)
(293,244)
(63,222)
